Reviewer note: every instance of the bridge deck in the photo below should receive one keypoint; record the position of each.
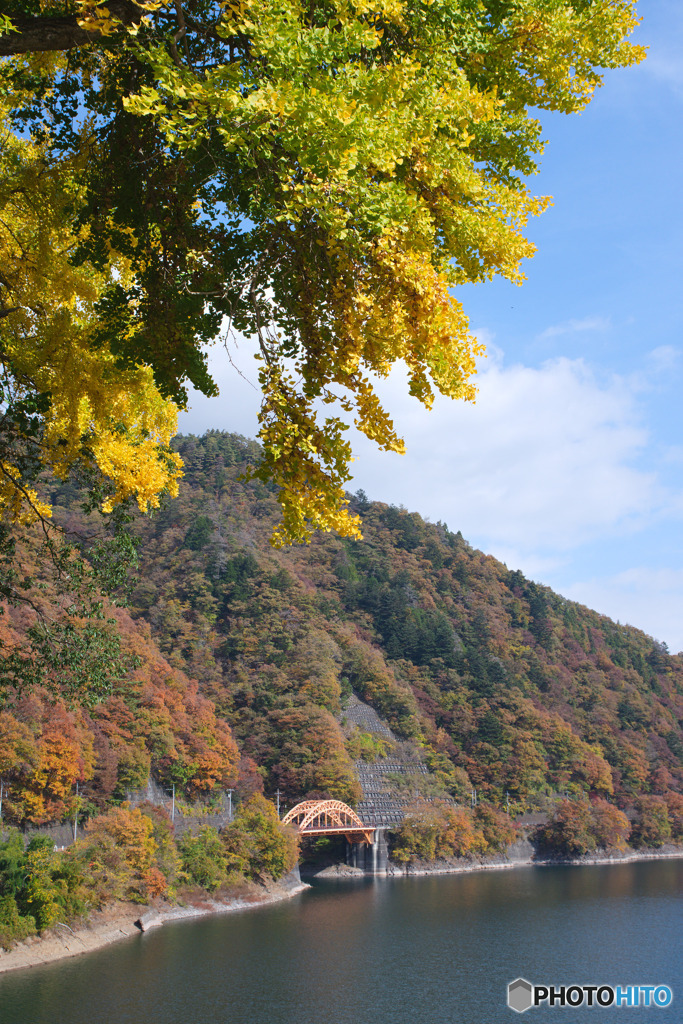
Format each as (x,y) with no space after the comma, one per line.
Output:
(335,828)
(358,834)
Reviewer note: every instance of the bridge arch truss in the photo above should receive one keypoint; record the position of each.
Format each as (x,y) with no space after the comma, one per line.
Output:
(328,818)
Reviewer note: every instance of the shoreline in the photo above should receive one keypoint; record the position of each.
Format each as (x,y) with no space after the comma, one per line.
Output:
(629,857)
(125,921)
(499,863)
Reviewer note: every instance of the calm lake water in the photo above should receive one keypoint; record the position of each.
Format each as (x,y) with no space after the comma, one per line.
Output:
(429,950)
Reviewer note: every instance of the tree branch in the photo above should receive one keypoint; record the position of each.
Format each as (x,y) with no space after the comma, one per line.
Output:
(38,35)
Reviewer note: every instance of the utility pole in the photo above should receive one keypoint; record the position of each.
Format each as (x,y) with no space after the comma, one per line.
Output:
(278,803)
(229,805)
(2,791)
(76,814)
(507,801)
(173,806)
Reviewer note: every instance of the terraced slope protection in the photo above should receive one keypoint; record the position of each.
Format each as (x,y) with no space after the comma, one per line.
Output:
(380,805)
(389,785)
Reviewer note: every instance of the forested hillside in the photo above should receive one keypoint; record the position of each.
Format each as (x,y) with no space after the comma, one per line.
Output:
(508,686)
(244,655)
(230,667)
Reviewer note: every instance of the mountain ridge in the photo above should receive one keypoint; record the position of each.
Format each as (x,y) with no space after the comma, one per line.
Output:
(494,674)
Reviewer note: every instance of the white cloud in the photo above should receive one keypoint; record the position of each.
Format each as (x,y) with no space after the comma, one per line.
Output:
(236,407)
(664,359)
(544,461)
(651,599)
(588,323)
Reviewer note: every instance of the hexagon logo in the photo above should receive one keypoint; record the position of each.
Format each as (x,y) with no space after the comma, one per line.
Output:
(520,995)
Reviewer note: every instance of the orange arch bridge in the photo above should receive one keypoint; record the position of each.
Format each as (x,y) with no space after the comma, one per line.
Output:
(328,818)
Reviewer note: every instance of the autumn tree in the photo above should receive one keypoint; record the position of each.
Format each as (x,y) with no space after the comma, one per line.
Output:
(44,757)
(257,845)
(304,748)
(652,826)
(65,409)
(577,827)
(458,834)
(497,827)
(318,177)
(674,802)
(18,752)
(442,831)
(415,838)
(119,848)
(65,403)
(570,830)
(611,827)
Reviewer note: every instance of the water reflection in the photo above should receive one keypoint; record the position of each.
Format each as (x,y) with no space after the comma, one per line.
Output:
(401,951)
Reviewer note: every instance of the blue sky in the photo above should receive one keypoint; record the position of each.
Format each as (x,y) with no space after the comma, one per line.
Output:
(570,465)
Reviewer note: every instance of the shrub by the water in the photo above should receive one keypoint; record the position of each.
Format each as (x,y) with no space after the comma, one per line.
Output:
(257,844)
(442,831)
(578,827)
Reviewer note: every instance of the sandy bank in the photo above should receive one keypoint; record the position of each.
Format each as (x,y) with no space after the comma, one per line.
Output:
(125,920)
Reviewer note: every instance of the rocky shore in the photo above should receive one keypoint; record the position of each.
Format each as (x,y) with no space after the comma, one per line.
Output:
(128,920)
(522,854)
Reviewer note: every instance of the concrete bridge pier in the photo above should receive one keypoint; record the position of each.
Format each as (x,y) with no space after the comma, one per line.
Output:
(372,858)
(381,852)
